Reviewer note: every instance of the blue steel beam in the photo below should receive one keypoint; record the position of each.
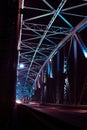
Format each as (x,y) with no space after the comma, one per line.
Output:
(28,44)
(62,43)
(48,27)
(82,45)
(31,8)
(40,16)
(58,14)
(48,5)
(76,15)
(74,7)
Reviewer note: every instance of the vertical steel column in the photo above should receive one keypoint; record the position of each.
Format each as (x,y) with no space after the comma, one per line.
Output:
(57,85)
(75,68)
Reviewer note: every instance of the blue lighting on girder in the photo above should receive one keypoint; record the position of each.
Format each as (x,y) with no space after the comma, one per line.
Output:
(65,21)
(82,27)
(48,68)
(50,73)
(82,45)
(85,52)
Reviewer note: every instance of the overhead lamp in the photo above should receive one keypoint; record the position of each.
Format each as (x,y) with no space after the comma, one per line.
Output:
(21,66)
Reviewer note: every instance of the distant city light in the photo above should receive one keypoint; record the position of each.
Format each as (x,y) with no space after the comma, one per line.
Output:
(18,101)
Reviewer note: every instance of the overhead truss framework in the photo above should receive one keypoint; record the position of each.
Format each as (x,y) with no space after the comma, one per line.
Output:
(45,26)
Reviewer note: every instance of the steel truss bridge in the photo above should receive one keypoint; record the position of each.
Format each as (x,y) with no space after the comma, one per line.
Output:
(49,28)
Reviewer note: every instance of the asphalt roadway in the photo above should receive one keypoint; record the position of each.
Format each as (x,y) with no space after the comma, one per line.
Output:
(36,116)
